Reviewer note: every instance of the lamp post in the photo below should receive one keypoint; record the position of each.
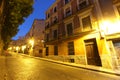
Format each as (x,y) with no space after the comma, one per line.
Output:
(23,48)
(31,42)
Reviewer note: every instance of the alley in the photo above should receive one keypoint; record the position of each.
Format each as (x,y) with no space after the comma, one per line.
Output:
(18,67)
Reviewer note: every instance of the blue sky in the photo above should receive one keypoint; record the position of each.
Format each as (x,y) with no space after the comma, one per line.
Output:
(39,6)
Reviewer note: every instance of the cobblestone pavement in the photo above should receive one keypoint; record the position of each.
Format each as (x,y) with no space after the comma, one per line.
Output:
(19,67)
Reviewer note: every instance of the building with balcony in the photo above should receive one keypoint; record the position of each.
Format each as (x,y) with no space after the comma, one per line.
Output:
(84,32)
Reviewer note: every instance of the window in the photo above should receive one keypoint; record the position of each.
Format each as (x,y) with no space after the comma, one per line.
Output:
(82,4)
(116,44)
(67,1)
(55,9)
(55,34)
(67,12)
(47,37)
(118,9)
(69,29)
(47,25)
(48,15)
(71,48)
(47,51)
(55,19)
(55,50)
(1,2)
(86,23)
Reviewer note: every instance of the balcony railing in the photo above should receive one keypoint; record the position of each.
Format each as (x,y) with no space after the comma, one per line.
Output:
(68,14)
(82,5)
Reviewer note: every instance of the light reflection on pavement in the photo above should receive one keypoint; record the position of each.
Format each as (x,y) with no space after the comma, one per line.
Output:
(17,67)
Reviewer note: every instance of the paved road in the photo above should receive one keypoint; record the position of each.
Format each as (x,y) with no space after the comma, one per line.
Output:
(19,67)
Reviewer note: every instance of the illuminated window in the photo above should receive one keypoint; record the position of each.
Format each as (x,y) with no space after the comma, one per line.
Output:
(86,23)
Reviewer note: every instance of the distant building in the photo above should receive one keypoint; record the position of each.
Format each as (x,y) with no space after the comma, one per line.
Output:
(36,33)
(84,31)
(33,42)
(16,45)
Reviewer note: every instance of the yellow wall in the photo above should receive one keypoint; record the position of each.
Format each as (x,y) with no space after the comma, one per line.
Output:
(80,52)
(51,50)
(62,49)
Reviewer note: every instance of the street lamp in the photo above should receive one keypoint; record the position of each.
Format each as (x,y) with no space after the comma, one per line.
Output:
(31,42)
(23,48)
(17,48)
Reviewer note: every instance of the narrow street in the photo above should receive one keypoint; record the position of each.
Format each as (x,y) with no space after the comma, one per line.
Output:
(18,67)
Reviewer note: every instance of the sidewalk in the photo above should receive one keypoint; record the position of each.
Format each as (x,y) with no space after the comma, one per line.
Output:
(3,69)
(88,67)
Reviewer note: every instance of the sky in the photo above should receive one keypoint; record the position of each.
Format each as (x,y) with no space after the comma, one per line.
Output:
(39,9)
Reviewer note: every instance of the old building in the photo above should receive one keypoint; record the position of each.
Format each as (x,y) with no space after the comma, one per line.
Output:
(84,32)
(35,37)
(33,42)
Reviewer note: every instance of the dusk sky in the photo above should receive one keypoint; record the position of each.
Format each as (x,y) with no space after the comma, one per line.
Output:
(39,6)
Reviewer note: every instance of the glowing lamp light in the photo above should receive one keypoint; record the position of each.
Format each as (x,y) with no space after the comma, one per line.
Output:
(23,47)
(31,42)
(10,48)
(17,48)
(110,27)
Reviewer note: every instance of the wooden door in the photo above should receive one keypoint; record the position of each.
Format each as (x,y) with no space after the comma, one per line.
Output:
(93,57)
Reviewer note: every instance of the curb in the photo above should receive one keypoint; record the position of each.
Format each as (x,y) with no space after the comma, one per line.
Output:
(92,68)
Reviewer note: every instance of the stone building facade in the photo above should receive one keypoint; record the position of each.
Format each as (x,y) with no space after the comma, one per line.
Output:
(84,32)
(36,33)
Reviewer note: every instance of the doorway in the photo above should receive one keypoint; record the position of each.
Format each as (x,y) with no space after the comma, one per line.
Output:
(93,57)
